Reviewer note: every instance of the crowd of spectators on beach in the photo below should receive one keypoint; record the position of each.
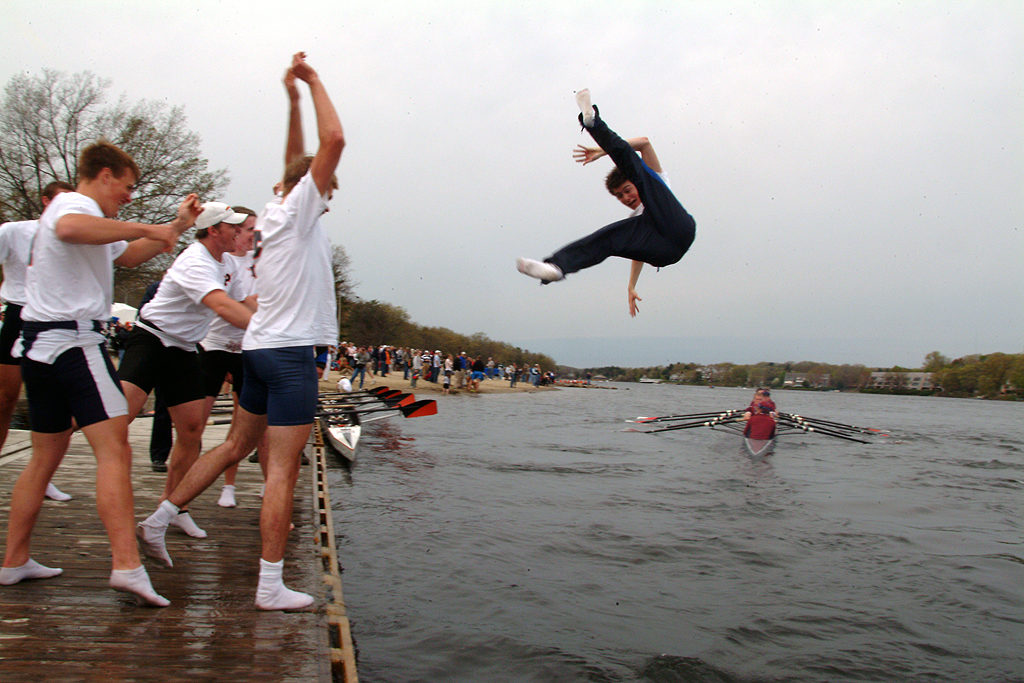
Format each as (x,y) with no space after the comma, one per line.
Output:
(455,371)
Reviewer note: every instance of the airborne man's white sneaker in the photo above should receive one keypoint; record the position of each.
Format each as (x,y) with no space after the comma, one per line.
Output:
(542,270)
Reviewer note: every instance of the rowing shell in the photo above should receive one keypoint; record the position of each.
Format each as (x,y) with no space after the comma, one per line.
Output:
(758,447)
(343,434)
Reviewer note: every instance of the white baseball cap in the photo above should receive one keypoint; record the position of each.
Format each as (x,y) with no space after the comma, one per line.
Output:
(218,212)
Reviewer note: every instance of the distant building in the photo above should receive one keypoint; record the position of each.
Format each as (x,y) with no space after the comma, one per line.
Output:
(900,380)
(804,379)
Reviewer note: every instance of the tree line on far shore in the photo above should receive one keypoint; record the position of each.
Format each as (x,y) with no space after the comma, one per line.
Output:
(993,375)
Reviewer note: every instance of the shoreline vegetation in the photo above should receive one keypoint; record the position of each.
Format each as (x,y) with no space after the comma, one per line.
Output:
(996,375)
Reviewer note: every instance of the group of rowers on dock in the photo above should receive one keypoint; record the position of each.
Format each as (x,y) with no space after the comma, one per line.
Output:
(71,383)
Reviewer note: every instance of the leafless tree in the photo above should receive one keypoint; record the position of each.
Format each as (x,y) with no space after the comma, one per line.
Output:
(45,121)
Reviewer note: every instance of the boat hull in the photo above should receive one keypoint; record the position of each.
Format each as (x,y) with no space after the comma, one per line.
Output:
(342,434)
(758,447)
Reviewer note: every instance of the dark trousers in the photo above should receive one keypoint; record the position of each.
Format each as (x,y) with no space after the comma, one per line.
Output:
(161,437)
(659,236)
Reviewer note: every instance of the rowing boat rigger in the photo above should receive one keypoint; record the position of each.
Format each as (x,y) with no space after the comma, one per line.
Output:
(760,430)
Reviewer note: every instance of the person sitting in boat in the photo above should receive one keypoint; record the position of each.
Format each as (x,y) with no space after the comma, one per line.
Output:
(761,397)
(760,424)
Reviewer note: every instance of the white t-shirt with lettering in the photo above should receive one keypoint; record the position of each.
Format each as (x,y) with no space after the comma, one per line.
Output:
(223,336)
(178,316)
(15,249)
(68,282)
(294,283)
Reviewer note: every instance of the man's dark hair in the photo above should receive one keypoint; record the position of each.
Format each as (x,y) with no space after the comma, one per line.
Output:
(53,189)
(615,179)
(103,154)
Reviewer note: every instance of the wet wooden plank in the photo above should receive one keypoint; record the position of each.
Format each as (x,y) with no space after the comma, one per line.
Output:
(74,627)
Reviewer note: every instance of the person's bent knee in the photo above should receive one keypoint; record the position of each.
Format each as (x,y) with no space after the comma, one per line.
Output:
(240,445)
(190,430)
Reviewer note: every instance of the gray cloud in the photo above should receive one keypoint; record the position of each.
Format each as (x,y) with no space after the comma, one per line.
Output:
(856,169)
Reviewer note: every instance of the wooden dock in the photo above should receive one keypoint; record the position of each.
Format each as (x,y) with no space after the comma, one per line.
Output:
(74,627)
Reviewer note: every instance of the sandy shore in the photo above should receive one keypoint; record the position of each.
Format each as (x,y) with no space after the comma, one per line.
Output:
(394,381)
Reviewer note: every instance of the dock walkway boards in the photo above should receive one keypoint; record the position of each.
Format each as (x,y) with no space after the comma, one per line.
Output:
(74,627)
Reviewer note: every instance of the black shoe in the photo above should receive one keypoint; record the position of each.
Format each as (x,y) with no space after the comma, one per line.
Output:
(255,457)
(305,460)
(159,466)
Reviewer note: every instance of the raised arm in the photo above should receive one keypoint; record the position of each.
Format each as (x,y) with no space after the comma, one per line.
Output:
(586,155)
(147,240)
(328,126)
(631,295)
(295,145)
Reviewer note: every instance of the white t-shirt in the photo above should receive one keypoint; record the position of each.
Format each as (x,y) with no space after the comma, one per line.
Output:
(223,336)
(177,312)
(15,249)
(295,283)
(68,282)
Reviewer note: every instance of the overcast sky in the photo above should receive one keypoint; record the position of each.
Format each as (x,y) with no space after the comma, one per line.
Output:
(856,169)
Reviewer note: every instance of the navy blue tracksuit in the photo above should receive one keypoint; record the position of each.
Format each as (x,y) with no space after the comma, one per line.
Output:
(659,236)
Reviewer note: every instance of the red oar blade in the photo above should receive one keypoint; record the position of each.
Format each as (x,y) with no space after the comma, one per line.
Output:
(420,408)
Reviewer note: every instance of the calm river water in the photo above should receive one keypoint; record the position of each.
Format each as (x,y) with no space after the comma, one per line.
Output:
(530,538)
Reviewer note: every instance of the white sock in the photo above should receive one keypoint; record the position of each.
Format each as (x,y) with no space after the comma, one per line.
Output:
(227,496)
(136,581)
(163,514)
(184,521)
(273,594)
(54,493)
(30,570)
(583,101)
(542,270)
(151,532)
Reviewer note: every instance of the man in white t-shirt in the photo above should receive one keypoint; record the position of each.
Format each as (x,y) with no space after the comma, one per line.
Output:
(161,353)
(67,372)
(220,352)
(15,249)
(295,287)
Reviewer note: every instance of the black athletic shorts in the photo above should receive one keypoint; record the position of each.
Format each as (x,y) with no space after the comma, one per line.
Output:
(217,364)
(80,383)
(148,363)
(9,334)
